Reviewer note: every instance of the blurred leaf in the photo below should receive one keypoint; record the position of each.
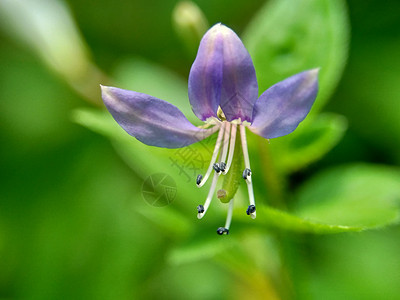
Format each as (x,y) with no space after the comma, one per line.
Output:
(168,219)
(243,253)
(35,117)
(145,77)
(200,248)
(74,215)
(147,160)
(195,281)
(289,36)
(369,266)
(369,96)
(310,142)
(101,122)
(48,29)
(363,196)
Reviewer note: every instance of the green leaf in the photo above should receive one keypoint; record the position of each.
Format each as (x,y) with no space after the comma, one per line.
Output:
(308,143)
(291,222)
(169,220)
(344,199)
(370,91)
(290,36)
(372,257)
(363,196)
(200,248)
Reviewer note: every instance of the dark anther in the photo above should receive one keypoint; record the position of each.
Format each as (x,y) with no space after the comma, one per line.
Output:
(216,167)
(200,209)
(199,178)
(251,209)
(222,166)
(246,173)
(222,230)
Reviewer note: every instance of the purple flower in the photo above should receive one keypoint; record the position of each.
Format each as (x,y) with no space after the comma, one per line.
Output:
(223,92)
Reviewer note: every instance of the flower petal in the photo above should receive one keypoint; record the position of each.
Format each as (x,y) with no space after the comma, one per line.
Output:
(281,108)
(239,84)
(222,75)
(205,77)
(152,121)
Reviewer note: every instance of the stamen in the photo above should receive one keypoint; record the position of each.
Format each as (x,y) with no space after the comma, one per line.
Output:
(225,230)
(227,129)
(247,174)
(222,231)
(251,209)
(199,178)
(203,211)
(200,209)
(244,146)
(216,168)
(213,158)
(229,216)
(231,148)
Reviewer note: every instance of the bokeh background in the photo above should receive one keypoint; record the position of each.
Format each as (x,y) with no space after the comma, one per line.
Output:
(73,223)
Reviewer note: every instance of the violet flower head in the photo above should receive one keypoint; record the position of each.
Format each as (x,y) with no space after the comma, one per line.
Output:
(223,92)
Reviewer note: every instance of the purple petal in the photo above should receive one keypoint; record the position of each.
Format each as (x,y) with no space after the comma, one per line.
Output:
(281,108)
(222,75)
(205,77)
(152,121)
(239,83)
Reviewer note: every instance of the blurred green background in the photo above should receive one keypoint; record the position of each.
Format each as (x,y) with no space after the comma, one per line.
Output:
(73,223)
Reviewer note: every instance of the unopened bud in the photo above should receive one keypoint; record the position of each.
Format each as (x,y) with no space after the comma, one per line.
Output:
(190,24)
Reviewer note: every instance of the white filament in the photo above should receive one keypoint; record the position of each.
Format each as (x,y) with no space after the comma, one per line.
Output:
(214,156)
(227,128)
(244,147)
(229,216)
(231,148)
(247,165)
(209,196)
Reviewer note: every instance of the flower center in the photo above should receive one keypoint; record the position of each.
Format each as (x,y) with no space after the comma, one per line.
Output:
(220,114)
(226,141)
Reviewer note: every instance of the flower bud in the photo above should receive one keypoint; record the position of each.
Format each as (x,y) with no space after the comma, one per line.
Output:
(190,24)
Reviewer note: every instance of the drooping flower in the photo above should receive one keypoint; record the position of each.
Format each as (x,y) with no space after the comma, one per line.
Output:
(223,92)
